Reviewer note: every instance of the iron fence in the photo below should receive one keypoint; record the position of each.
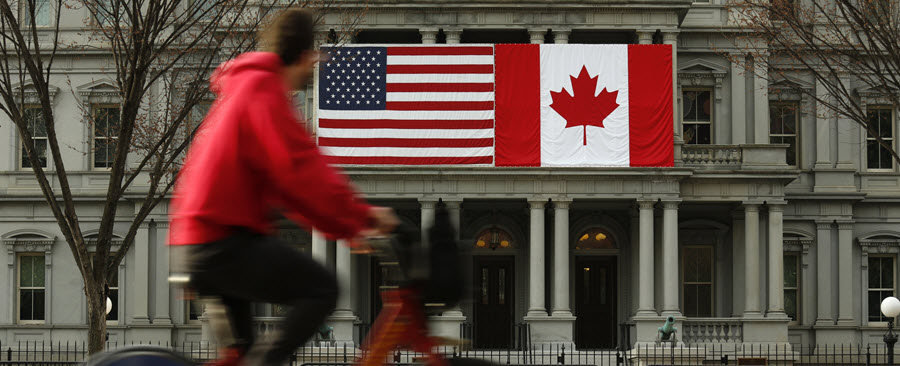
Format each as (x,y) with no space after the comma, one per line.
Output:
(37,353)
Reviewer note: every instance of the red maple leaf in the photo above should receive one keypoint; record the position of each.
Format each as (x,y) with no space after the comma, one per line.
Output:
(584,108)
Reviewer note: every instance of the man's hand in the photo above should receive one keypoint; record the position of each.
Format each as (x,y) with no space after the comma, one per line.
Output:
(383,220)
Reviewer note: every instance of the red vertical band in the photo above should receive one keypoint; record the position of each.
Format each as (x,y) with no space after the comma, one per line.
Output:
(650,105)
(517,110)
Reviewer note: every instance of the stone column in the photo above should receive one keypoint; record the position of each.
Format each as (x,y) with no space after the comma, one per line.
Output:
(776,261)
(141,276)
(561,259)
(427,217)
(429,35)
(453,35)
(537,36)
(536,307)
(561,36)
(738,102)
(845,273)
(163,290)
(760,100)
(751,261)
(319,250)
(823,129)
(671,305)
(823,274)
(343,317)
(645,36)
(671,38)
(453,209)
(645,253)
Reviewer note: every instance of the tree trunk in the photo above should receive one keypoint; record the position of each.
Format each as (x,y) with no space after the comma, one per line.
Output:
(96,300)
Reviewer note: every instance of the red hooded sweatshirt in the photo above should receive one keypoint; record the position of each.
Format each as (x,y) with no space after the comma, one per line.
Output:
(250,155)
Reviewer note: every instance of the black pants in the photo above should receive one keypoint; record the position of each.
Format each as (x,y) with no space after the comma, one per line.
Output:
(249,267)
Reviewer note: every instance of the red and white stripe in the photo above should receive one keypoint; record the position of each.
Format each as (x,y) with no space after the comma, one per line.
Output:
(439,110)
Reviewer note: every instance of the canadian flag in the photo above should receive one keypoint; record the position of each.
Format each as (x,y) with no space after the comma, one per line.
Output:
(583,105)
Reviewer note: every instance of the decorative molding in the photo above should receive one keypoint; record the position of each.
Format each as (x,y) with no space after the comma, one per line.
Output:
(26,245)
(31,96)
(699,73)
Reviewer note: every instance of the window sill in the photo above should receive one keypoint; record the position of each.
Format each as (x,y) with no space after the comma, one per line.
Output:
(876,173)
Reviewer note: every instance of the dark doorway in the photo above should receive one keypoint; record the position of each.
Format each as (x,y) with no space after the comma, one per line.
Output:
(495,36)
(493,301)
(595,302)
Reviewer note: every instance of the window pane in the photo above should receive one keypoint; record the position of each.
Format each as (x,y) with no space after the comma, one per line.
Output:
(874,272)
(790,303)
(874,306)
(885,123)
(790,271)
(26,271)
(704,300)
(690,300)
(790,119)
(38,269)
(776,125)
(704,134)
(872,151)
(885,160)
(26,304)
(704,264)
(887,272)
(688,106)
(704,108)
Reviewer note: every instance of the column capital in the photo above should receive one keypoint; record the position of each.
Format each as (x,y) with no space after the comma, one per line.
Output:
(453,202)
(561,35)
(429,35)
(671,204)
(845,224)
(669,36)
(776,207)
(645,36)
(537,35)
(562,203)
(751,207)
(646,203)
(453,35)
(824,224)
(537,204)
(427,202)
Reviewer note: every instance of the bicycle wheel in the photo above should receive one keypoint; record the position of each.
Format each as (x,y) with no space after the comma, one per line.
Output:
(140,356)
(462,361)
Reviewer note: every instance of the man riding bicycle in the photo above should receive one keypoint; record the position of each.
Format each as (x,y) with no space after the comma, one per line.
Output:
(251,155)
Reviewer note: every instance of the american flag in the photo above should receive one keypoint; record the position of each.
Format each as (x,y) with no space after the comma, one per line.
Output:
(407,105)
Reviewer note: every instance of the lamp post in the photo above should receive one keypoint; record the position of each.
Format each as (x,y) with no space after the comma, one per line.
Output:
(890,307)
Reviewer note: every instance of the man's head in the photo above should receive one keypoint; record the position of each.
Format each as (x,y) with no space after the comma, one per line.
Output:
(290,36)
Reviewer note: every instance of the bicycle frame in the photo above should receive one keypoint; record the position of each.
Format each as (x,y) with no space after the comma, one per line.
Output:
(401,323)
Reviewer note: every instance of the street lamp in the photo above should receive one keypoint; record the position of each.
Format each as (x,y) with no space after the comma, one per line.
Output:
(108,305)
(890,307)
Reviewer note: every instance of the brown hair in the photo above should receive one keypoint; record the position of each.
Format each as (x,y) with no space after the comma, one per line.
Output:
(290,34)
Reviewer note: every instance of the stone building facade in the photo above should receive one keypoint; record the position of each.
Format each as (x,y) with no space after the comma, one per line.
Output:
(775,226)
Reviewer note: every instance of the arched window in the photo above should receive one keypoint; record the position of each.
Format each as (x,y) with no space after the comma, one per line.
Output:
(493,238)
(595,238)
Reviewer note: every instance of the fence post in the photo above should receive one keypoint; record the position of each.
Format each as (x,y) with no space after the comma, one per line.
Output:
(561,359)
(397,356)
(868,355)
(9,354)
(620,360)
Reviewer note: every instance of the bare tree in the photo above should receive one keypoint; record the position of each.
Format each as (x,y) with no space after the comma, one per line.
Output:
(162,53)
(851,48)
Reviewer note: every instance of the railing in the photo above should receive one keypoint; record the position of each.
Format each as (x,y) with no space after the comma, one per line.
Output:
(745,156)
(712,330)
(711,154)
(520,338)
(37,353)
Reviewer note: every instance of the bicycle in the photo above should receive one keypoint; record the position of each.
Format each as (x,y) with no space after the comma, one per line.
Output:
(402,322)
